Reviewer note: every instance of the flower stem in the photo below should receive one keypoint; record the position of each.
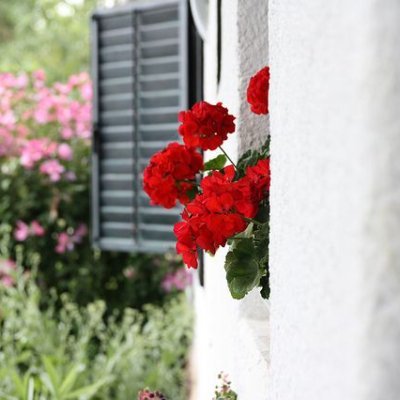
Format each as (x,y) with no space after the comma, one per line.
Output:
(226,155)
(255,222)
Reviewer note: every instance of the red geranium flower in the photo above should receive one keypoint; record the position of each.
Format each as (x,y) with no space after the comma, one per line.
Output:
(257,92)
(171,174)
(206,125)
(260,176)
(204,228)
(223,194)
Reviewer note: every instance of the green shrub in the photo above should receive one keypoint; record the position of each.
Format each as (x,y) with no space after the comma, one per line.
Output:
(74,353)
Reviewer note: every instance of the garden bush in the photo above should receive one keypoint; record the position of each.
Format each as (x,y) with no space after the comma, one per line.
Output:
(44,198)
(71,352)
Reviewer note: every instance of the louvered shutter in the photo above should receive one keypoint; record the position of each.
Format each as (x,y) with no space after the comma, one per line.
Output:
(140,74)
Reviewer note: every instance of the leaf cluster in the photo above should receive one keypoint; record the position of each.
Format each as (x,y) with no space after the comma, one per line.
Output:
(250,157)
(246,263)
(76,352)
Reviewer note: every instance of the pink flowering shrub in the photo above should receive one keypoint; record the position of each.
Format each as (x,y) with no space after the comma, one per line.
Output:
(44,195)
(7,270)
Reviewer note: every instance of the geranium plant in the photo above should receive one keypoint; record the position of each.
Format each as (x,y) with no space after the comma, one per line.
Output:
(230,204)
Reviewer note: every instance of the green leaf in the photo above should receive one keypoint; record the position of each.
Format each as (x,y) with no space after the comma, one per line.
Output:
(70,379)
(192,193)
(242,269)
(261,242)
(216,163)
(30,389)
(251,157)
(51,378)
(18,383)
(88,391)
(265,288)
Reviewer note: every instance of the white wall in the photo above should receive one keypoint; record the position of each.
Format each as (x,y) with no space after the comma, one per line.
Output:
(231,335)
(335,206)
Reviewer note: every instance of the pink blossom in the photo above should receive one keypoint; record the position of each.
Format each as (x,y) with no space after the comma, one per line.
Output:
(78,79)
(42,116)
(7,280)
(8,143)
(65,151)
(8,119)
(64,115)
(82,130)
(21,81)
(7,268)
(67,133)
(74,80)
(177,280)
(64,243)
(67,242)
(39,78)
(21,231)
(37,229)
(80,232)
(87,91)
(22,130)
(8,80)
(53,169)
(39,75)
(62,88)
(35,150)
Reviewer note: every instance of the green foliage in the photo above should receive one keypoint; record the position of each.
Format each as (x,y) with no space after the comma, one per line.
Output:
(242,269)
(246,263)
(45,34)
(216,163)
(250,158)
(74,352)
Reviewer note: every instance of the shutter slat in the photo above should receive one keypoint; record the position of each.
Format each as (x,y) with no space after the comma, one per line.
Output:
(159,16)
(116,36)
(117,198)
(125,153)
(160,26)
(114,166)
(160,43)
(115,22)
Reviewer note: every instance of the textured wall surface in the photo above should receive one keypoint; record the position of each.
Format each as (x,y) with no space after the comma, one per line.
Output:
(335,230)
(231,335)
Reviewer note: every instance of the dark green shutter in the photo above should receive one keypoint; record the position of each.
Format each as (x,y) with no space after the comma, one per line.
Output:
(140,77)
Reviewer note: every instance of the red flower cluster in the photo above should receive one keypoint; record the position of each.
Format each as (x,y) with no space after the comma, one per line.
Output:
(221,210)
(171,174)
(206,125)
(224,204)
(257,92)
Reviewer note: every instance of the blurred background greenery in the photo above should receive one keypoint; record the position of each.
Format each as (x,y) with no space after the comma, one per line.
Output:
(52,35)
(86,297)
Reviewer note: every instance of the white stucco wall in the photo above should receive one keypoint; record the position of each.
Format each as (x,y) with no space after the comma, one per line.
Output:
(335,199)
(231,335)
